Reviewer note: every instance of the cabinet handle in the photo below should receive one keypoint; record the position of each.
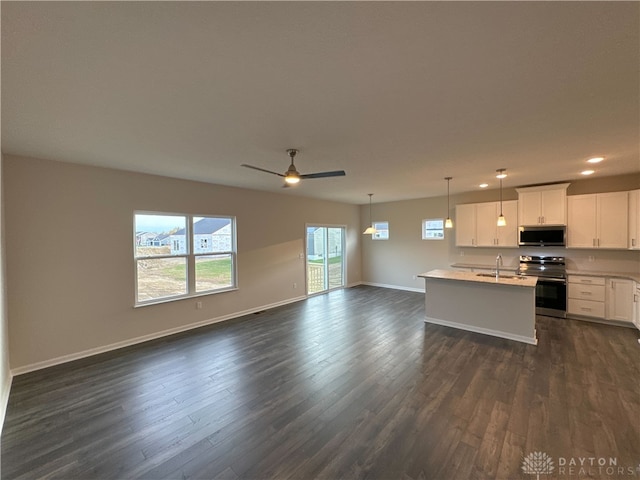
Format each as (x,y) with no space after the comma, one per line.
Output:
(635,298)
(543,219)
(593,242)
(586,281)
(586,293)
(598,242)
(585,309)
(633,242)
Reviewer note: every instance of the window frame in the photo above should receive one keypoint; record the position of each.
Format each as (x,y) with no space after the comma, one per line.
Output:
(375,236)
(190,255)
(424,228)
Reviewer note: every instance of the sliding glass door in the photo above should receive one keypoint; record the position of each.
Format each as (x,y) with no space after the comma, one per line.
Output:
(325,258)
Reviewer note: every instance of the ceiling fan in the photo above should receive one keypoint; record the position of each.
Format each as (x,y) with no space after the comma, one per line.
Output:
(292,176)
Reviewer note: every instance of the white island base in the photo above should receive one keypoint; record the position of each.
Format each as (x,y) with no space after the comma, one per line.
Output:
(505,308)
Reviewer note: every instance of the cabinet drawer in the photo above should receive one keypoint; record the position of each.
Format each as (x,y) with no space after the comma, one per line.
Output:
(586,280)
(586,292)
(588,308)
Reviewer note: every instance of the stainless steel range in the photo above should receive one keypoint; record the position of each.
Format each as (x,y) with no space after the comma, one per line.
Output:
(551,289)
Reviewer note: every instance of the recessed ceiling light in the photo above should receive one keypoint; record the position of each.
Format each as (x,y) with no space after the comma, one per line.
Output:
(483,185)
(587,172)
(595,160)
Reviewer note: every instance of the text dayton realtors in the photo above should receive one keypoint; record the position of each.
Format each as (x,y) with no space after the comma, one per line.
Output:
(593,465)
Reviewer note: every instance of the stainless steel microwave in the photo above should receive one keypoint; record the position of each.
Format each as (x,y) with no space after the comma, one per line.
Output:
(542,236)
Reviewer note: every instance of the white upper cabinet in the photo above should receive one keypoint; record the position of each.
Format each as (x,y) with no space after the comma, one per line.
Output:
(543,205)
(466,225)
(598,220)
(634,220)
(476,224)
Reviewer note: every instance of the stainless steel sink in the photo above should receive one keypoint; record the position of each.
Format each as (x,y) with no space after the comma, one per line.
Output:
(493,275)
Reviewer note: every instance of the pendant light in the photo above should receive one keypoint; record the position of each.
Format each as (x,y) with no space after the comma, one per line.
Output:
(448,223)
(370,229)
(501,220)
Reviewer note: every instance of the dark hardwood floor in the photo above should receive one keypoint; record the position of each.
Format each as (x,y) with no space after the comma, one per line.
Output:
(350,384)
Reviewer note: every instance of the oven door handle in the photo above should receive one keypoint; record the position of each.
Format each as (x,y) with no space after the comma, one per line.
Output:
(551,280)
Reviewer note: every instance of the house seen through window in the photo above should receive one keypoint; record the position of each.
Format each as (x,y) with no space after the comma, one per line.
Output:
(178,256)
(382,231)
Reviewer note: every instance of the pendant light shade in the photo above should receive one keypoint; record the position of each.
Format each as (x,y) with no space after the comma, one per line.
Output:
(501,220)
(448,223)
(370,229)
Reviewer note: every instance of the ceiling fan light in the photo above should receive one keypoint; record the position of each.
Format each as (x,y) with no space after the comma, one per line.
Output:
(292,179)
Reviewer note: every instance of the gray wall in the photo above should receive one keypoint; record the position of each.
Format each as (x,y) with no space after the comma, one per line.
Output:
(70,255)
(396,261)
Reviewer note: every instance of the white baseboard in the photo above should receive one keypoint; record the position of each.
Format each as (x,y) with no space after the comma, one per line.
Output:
(395,287)
(4,399)
(145,338)
(494,333)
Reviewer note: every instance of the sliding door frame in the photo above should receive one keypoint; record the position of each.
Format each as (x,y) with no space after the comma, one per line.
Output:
(343,263)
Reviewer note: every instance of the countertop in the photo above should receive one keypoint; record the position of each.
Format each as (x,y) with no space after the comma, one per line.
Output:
(474,277)
(626,275)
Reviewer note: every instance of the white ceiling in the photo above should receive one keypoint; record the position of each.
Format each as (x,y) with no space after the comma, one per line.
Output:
(398,94)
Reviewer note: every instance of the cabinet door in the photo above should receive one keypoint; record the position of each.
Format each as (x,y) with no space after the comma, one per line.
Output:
(619,300)
(636,306)
(508,235)
(553,207)
(529,212)
(612,218)
(466,225)
(581,225)
(634,219)
(486,224)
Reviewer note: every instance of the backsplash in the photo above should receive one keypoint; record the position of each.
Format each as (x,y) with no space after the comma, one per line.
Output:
(621,261)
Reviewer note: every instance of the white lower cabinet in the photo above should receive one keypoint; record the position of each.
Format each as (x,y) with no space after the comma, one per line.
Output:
(586,296)
(620,299)
(600,297)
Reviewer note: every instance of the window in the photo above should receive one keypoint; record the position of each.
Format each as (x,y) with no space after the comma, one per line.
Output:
(178,256)
(382,231)
(433,229)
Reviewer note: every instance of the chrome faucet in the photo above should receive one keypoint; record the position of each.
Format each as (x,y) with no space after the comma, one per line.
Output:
(498,264)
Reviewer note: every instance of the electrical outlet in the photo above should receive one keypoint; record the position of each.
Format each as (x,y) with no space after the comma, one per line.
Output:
(462,253)
(295,285)
(592,258)
(198,305)
(415,277)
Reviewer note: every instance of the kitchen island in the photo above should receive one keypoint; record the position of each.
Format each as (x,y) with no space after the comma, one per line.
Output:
(502,307)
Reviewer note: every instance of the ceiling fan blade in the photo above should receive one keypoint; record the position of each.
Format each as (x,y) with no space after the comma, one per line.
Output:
(335,173)
(262,169)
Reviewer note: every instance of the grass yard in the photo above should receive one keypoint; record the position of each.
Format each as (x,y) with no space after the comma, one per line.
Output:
(165,277)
